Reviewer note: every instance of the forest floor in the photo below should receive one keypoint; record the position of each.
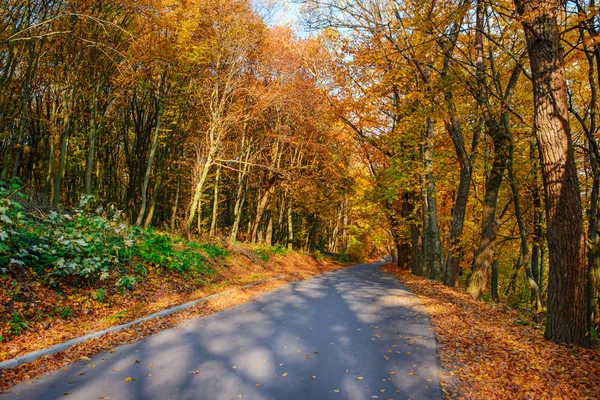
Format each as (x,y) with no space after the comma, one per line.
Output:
(159,290)
(492,351)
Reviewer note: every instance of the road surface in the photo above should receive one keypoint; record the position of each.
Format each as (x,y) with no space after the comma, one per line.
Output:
(355,333)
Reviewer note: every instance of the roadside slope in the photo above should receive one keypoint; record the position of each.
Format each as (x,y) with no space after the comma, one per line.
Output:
(489,351)
(242,268)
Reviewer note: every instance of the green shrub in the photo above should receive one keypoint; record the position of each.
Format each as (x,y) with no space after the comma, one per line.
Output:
(318,255)
(17,324)
(280,250)
(66,312)
(99,295)
(90,243)
(265,252)
(214,251)
(126,282)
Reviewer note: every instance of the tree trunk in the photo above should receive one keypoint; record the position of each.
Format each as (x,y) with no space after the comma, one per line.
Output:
(485,252)
(260,209)
(31,66)
(290,221)
(195,203)
(159,108)
(215,209)
(538,229)
(89,161)
(432,244)
(460,206)
(525,260)
(566,317)
(237,210)
(495,274)
(64,141)
(176,204)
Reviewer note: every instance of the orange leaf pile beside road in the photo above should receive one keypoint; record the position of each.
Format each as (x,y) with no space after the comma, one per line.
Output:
(488,352)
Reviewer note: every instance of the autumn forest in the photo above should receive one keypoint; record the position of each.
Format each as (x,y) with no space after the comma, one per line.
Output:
(462,137)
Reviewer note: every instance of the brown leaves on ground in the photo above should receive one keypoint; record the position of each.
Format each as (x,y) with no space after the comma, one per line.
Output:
(147,301)
(488,353)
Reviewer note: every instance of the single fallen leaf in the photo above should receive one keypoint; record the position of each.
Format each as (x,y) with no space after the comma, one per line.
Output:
(115,369)
(392,372)
(234,367)
(66,393)
(307,357)
(336,390)
(128,379)
(286,374)
(360,378)
(196,372)
(81,373)
(313,377)
(150,365)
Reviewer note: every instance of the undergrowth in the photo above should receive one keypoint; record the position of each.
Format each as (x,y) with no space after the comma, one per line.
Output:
(84,247)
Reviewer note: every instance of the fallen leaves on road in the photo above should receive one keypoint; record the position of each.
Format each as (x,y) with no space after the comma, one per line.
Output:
(295,266)
(487,352)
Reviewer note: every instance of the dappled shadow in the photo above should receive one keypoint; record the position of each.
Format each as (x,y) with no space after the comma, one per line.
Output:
(351,334)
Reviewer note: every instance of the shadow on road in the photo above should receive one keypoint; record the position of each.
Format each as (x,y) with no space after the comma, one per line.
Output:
(352,334)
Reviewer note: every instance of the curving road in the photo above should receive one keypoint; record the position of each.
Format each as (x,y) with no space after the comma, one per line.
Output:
(355,333)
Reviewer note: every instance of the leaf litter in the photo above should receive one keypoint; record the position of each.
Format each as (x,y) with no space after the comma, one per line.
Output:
(486,354)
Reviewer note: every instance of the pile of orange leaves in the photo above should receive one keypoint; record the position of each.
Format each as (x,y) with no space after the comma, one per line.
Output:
(490,351)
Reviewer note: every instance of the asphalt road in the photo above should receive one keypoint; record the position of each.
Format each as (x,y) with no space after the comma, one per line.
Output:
(356,333)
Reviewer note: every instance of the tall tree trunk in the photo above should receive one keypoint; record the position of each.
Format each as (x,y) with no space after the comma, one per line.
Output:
(176,204)
(290,222)
(432,242)
(153,149)
(25,95)
(154,200)
(566,317)
(64,141)
(525,260)
(89,161)
(260,209)
(486,249)
(215,209)
(197,197)
(495,275)
(241,190)
(237,210)
(269,230)
(538,228)
(462,197)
